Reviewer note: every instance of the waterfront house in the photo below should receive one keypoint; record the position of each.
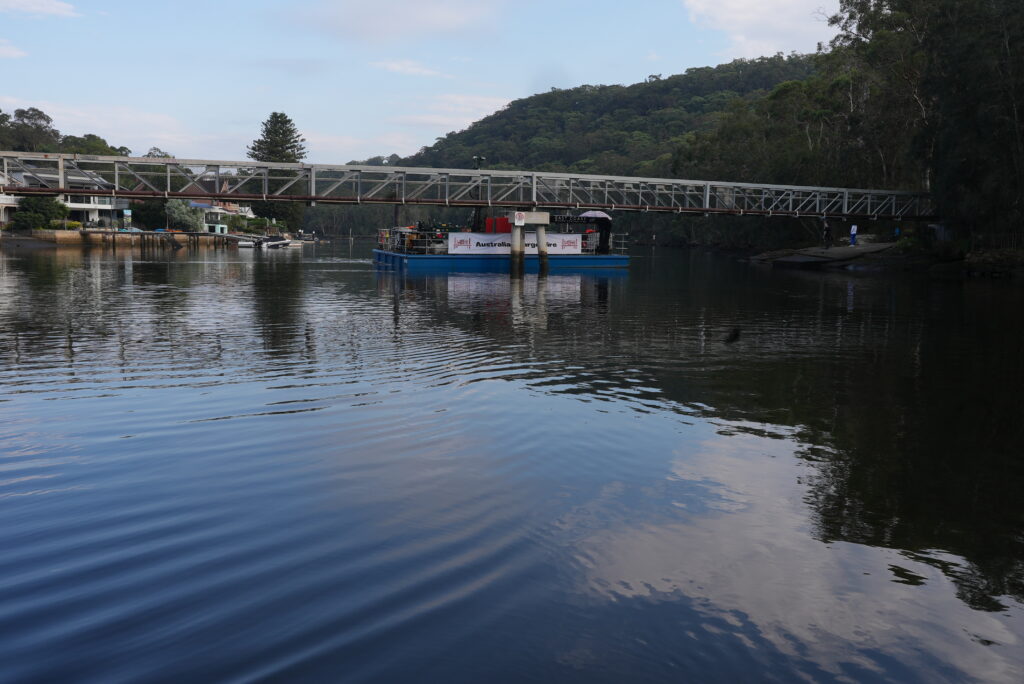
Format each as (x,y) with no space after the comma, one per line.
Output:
(86,209)
(8,203)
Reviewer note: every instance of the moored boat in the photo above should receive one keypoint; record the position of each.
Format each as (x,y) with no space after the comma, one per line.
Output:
(274,242)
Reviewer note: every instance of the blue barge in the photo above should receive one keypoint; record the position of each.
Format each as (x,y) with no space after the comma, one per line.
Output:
(414,248)
(494,262)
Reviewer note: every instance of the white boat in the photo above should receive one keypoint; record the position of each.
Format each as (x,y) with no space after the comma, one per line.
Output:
(245,244)
(274,242)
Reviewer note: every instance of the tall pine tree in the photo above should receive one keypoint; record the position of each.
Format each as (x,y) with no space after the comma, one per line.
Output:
(280,141)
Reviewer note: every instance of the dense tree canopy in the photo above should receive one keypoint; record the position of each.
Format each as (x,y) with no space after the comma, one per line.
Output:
(31,130)
(952,72)
(610,129)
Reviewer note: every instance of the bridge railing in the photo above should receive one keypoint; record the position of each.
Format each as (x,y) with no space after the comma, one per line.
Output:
(26,173)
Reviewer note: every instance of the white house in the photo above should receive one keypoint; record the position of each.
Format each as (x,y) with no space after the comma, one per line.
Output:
(8,203)
(86,209)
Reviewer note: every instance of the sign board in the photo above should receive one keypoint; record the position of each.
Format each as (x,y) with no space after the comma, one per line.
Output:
(533,218)
(127,213)
(501,243)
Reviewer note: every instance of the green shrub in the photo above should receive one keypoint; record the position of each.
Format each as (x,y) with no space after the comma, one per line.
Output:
(28,220)
(47,207)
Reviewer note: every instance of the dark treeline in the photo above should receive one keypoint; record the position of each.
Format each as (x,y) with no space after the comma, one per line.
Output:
(31,130)
(913,94)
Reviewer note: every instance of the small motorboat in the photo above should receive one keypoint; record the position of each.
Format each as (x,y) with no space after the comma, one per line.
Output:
(275,242)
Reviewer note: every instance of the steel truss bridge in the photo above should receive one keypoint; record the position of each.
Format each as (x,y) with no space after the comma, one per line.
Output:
(24,173)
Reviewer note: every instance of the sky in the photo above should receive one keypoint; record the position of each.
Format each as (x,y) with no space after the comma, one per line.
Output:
(359,77)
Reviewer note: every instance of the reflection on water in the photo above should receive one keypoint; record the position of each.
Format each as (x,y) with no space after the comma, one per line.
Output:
(231,465)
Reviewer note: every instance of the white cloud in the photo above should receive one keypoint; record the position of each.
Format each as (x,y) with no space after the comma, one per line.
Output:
(408,67)
(9,51)
(369,21)
(39,7)
(740,496)
(764,27)
(325,148)
(454,112)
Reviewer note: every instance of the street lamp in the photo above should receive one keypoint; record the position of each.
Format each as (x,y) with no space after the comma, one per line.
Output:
(476,161)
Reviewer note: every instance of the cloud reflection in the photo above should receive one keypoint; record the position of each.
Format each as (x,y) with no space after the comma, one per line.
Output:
(735,540)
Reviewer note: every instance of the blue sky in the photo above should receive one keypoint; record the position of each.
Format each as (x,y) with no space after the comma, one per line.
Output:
(358,77)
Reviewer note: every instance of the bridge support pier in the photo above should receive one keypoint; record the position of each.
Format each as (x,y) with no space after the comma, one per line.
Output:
(518,250)
(542,247)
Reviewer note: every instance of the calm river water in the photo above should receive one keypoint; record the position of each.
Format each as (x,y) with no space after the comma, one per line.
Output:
(227,466)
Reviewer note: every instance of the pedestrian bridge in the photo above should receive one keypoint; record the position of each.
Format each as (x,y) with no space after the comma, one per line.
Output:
(26,173)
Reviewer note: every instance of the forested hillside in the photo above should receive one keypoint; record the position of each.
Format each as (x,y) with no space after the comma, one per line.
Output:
(611,129)
(911,94)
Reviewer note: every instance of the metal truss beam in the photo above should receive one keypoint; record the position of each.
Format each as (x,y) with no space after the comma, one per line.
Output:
(25,173)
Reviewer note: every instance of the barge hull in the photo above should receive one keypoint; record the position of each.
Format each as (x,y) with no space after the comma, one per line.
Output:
(495,262)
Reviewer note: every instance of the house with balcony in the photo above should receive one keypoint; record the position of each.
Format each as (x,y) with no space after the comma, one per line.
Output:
(89,210)
(95,210)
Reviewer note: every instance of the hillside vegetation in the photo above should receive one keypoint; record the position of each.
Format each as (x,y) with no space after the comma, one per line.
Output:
(628,130)
(912,94)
